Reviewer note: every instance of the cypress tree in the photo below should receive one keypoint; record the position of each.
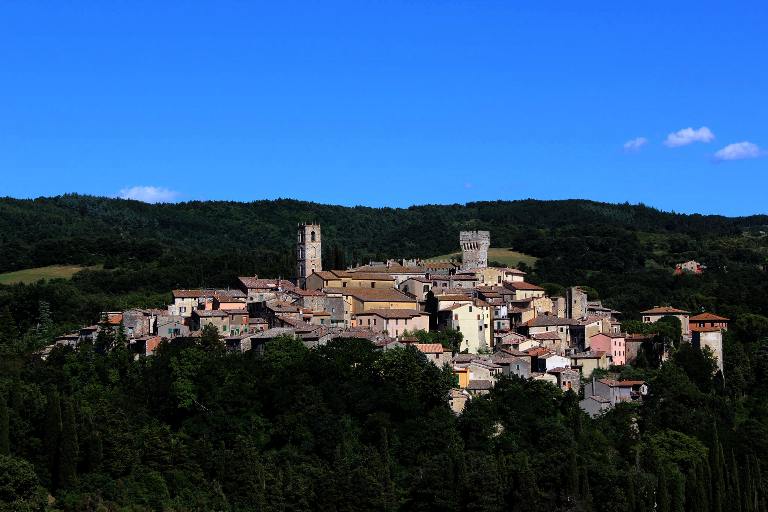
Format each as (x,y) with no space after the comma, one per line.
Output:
(631,493)
(53,435)
(734,485)
(93,447)
(717,466)
(5,434)
(586,494)
(8,330)
(571,477)
(662,492)
(747,500)
(704,480)
(68,449)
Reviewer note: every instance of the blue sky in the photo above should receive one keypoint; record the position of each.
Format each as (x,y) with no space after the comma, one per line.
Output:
(388,102)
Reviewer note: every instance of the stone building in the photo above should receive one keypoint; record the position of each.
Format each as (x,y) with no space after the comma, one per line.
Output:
(576,303)
(308,252)
(474,249)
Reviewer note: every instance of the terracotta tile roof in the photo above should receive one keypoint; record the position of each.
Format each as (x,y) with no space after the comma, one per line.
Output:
(550,321)
(537,351)
(708,317)
(234,312)
(210,313)
(637,337)
(306,293)
(550,335)
(374,294)
(430,348)
(480,385)
(561,369)
(455,277)
(621,383)
(254,283)
(696,328)
(466,298)
(188,294)
(522,285)
(664,310)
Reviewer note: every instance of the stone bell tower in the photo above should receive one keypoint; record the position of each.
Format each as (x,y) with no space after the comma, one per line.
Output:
(308,252)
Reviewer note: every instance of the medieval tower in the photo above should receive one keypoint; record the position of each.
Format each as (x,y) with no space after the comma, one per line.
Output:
(474,249)
(308,252)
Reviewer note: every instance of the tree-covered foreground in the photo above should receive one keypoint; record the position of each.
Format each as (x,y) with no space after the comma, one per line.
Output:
(347,427)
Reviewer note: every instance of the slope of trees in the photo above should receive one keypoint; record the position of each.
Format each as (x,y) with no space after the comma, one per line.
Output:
(626,252)
(346,427)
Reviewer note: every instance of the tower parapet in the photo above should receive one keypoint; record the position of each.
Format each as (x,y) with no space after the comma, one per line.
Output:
(474,249)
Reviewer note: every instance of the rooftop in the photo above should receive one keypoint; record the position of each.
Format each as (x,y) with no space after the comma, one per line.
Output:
(664,310)
(708,317)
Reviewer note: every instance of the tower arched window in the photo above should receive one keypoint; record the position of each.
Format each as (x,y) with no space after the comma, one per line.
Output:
(312,236)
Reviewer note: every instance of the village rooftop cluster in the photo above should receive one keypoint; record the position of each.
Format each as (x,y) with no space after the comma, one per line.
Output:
(508,326)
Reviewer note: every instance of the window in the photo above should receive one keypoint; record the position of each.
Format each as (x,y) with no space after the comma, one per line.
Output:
(312,236)
(470,309)
(426,288)
(373,285)
(344,284)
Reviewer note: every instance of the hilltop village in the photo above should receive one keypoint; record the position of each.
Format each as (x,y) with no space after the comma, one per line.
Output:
(482,321)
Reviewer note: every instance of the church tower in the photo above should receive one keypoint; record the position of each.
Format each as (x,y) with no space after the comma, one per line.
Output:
(308,252)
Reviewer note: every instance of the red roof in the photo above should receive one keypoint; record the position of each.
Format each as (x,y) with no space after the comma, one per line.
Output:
(664,310)
(622,383)
(708,317)
(430,348)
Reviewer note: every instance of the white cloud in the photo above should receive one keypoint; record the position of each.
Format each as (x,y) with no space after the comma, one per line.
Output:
(688,136)
(739,151)
(635,144)
(149,194)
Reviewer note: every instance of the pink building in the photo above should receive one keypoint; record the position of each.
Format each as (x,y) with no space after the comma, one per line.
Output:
(612,344)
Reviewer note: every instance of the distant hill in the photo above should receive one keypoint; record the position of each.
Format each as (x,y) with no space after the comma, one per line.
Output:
(626,252)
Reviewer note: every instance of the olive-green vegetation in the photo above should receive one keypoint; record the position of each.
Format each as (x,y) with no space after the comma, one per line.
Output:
(32,275)
(496,255)
(624,252)
(345,427)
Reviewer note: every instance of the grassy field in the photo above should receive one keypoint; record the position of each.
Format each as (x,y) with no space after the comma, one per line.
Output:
(32,275)
(501,254)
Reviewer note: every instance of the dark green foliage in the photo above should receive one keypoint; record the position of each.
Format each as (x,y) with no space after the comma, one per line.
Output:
(344,427)
(625,253)
(5,433)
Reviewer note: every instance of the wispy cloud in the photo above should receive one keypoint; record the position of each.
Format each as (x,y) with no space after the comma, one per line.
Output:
(149,194)
(689,136)
(635,144)
(739,151)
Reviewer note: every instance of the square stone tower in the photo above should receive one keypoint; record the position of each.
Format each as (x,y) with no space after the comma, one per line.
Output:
(308,251)
(474,249)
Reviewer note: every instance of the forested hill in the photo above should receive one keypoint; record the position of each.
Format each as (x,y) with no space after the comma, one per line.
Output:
(626,252)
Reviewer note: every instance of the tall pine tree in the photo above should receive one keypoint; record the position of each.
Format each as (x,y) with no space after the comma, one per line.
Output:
(68,448)
(5,434)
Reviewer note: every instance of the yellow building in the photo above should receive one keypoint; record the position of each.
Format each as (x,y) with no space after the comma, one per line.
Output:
(473,318)
(360,300)
(493,276)
(345,279)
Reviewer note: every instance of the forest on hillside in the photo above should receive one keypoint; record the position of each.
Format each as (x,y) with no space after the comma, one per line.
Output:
(346,427)
(624,252)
